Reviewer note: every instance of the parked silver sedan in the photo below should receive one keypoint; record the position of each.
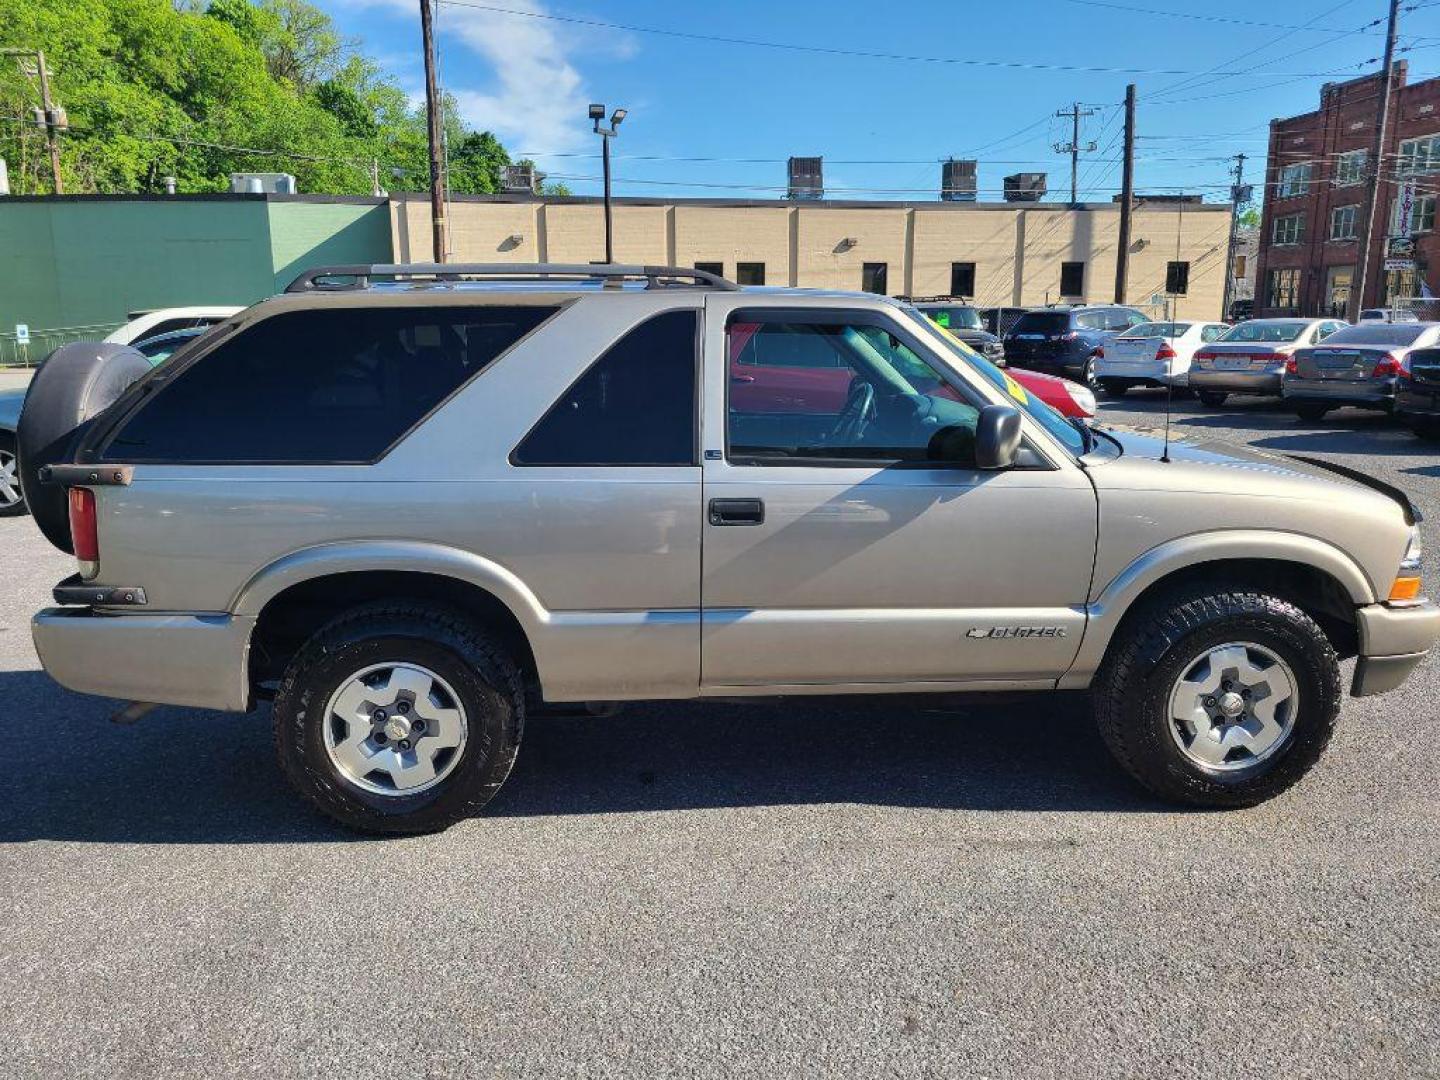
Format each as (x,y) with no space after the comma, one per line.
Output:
(1360,365)
(1251,358)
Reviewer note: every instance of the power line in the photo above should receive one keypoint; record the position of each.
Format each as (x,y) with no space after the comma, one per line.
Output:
(822,50)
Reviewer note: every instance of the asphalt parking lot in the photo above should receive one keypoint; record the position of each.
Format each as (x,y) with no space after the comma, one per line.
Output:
(715,890)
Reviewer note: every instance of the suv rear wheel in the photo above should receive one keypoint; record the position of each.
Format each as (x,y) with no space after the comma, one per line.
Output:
(1218,700)
(399,718)
(1212,399)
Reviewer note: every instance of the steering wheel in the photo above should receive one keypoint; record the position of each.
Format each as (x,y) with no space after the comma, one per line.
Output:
(855,417)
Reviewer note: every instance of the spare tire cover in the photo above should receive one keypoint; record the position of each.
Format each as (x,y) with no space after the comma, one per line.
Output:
(75,384)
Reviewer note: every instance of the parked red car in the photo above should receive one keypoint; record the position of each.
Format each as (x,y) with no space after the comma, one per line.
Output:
(822,386)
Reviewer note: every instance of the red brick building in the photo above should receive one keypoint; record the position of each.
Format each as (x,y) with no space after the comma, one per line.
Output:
(1315,190)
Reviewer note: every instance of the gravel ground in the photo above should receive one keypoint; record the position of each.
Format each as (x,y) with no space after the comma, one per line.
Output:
(715,890)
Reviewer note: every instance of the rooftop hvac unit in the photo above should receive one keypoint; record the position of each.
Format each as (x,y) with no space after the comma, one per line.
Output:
(1025,187)
(957,180)
(806,178)
(262,183)
(519,179)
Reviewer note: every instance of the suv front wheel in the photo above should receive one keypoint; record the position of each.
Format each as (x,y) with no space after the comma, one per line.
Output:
(399,718)
(1218,699)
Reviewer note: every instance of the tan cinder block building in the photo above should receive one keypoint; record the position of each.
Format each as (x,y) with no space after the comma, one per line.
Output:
(1012,254)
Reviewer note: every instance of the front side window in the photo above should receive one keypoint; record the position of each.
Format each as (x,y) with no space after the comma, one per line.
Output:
(1072,279)
(1213,332)
(1294,180)
(319,387)
(880,402)
(635,405)
(1342,222)
(1288,229)
(1350,167)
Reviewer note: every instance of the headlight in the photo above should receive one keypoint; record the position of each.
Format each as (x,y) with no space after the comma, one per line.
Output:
(1407,581)
(1083,398)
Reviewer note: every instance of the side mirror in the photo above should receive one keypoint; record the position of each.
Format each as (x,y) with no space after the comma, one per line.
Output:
(997,437)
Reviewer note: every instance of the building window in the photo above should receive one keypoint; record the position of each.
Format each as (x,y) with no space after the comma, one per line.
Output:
(716,268)
(1284,289)
(1294,180)
(1288,229)
(749,273)
(1422,216)
(1342,222)
(962,279)
(1177,278)
(1350,167)
(1072,279)
(1239,271)
(874,277)
(1420,155)
(1400,285)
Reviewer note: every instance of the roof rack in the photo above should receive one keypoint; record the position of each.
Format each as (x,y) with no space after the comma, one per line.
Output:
(359,275)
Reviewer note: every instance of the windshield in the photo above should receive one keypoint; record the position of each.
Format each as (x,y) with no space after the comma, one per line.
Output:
(1267,330)
(954,316)
(1158,329)
(1378,334)
(1061,429)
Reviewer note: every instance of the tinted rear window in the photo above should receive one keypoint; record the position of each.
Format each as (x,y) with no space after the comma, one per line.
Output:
(323,386)
(1158,329)
(1042,322)
(1378,334)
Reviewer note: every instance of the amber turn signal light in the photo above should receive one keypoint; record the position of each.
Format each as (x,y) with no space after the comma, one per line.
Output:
(1405,588)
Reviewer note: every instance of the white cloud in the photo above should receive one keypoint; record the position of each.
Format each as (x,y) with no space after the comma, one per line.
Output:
(534,99)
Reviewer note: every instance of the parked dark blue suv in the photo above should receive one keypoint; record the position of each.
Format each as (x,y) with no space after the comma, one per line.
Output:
(1064,340)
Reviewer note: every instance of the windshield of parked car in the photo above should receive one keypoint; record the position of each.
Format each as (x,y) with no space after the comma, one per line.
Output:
(954,316)
(1042,322)
(1378,334)
(1265,330)
(1067,434)
(1157,329)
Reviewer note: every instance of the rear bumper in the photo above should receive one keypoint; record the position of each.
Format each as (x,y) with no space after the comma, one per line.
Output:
(200,660)
(1156,372)
(1393,640)
(1238,382)
(1377,394)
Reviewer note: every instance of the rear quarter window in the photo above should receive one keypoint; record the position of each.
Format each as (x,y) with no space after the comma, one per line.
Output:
(337,386)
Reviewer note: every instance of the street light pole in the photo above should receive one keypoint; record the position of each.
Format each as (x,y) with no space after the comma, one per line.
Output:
(597,114)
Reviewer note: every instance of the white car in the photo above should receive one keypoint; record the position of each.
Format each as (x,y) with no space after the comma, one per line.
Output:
(1390,315)
(147,324)
(1153,354)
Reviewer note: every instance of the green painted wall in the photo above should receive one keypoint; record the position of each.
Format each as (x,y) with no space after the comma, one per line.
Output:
(84,261)
(307,234)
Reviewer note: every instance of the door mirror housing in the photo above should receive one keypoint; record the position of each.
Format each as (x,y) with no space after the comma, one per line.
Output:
(997,437)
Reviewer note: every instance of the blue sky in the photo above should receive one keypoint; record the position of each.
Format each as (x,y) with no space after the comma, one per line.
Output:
(710,118)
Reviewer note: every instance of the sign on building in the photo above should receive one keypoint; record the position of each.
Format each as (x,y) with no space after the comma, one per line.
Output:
(22,334)
(1399,264)
(1405,208)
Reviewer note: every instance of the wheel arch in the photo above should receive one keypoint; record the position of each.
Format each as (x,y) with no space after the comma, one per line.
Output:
(1313,574)
(293,597)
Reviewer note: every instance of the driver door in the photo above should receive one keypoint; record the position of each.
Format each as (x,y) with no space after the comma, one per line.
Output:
(850,543)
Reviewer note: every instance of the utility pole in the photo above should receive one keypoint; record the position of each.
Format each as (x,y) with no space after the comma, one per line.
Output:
(1073,147)
(1372,197)
(1127,197)
(432,117)
(1235,192)
(50,117)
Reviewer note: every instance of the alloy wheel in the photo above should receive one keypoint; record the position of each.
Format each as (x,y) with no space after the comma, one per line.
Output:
(10,493)
(1235,705)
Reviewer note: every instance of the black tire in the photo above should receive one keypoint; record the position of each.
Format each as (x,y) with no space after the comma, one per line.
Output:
(1087,374)
(1156,645)
(486,683)
(1212,399)
(1115,388)
(12,497)
(74,384)
(1311,412)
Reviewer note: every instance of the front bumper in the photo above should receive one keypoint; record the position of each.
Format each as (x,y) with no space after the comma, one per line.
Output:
(1267,381)
(1372,394)
(1393,640)
(200,660)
